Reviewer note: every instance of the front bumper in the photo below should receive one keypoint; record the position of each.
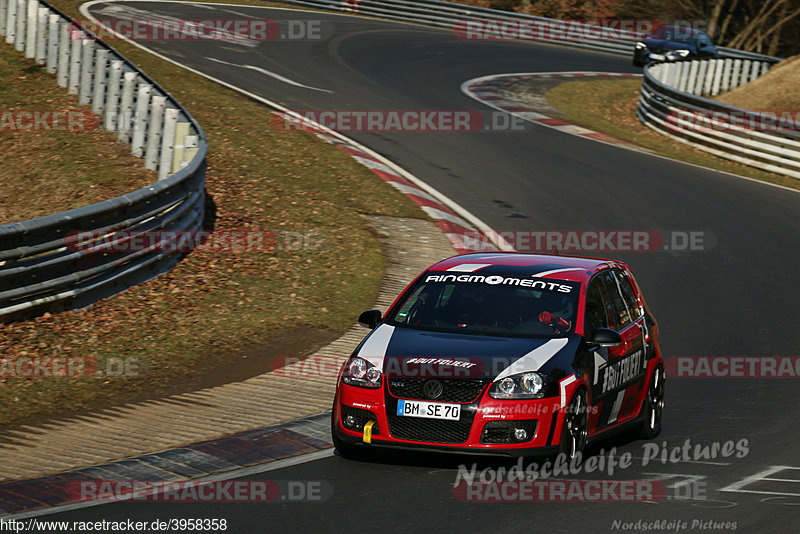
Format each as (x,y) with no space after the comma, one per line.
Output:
(541,418)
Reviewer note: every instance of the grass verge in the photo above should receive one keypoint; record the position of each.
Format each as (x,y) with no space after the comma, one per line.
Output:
(219,317)
(609,107)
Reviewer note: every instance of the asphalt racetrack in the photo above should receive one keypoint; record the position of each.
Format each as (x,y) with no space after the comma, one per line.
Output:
(736,297)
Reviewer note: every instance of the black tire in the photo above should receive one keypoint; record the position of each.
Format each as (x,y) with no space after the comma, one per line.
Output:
(576,426)
(653,405)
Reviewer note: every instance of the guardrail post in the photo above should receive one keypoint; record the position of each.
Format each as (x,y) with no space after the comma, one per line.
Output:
(140,119)
(30,30)
(52,42)
(745,74)
(657,71)
(41,35)
(168,142)
(126,106)
(764,67)
(710,73)
(701,78)
(691,79)
(11,21)
(154,127)
(19,31)
(112,96)
(680,75)
(63,53)
(670,74)
(734,81)
(755,67)
(99,89)
(726,75)
(715,85)
(3,14)
(75,62)
(87,70)
(179,153)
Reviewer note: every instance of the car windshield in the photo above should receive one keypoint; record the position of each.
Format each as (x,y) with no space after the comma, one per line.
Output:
(498,305)
(670,33)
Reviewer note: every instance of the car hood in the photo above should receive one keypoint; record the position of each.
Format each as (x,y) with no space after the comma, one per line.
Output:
(409,352)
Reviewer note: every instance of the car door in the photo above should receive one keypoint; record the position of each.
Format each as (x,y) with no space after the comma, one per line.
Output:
(620,379)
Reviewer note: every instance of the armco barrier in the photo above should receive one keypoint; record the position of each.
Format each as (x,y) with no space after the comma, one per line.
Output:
(670,102)
(455,16)
(39,271)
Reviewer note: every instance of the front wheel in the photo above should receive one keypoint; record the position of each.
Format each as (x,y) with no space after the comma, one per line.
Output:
(576,425)
(653,405)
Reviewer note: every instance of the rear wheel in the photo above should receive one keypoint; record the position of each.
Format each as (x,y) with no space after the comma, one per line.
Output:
(576,425)
(653,405)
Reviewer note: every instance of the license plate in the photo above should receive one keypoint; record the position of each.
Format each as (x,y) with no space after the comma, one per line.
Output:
(657,57)
(429,410)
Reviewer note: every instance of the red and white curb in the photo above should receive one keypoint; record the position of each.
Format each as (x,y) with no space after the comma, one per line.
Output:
(454,226)
(486,89)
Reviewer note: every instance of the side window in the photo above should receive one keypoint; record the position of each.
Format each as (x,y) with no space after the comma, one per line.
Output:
(596,308)
(620,313)
(628,294)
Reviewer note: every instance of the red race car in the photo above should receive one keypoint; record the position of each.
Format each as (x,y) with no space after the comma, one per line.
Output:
(516,354)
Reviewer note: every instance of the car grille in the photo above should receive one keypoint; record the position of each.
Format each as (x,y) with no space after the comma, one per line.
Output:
(455,390)
(430,430)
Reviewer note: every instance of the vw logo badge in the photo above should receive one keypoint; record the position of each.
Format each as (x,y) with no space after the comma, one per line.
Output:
(433,389)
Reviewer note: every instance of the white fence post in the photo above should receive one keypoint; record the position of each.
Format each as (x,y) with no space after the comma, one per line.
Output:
(712,71)
(179,154)
(87,68)
(52,42)
(701,78)
(30,29)
(63,53)
(154,128)
(734,82)
(3,14)
(167,142)
(19,31)
(41,35)
(126,106)
(140,119)
(726,75)
(11,21)
(75,62)
(691,77)
(112,95)
(99,89)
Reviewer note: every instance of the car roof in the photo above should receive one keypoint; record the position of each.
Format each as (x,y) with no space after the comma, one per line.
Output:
(575,268)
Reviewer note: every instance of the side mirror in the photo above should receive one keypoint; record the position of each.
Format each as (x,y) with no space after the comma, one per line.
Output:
(371,318)
(605,337)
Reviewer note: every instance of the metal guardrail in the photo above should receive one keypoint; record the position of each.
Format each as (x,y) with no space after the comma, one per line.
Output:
(456,16)
(40,269)
(670,102)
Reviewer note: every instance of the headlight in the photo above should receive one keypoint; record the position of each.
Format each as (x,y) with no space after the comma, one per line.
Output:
(522,386)
(640,46)
(682,53)
(360,372)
